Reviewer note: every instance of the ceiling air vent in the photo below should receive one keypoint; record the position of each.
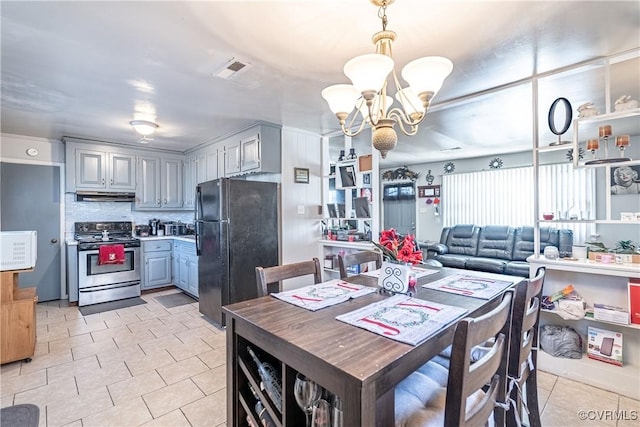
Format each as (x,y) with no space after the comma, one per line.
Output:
(233,68)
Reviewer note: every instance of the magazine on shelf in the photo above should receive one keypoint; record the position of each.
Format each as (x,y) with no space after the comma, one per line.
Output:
(326,294)
(403,318)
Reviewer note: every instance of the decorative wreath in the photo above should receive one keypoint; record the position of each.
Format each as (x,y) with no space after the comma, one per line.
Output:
(449,167)
(580,154)
(495,163)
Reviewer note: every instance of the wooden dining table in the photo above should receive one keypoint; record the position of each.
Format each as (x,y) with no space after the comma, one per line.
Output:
(359,366)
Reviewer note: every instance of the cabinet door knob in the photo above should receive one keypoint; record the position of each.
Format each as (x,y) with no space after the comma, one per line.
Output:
(158,202)
(165,201)
(111,181)
(102,181)
(54,240)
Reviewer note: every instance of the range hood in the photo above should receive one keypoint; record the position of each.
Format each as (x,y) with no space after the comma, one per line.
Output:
(104,196)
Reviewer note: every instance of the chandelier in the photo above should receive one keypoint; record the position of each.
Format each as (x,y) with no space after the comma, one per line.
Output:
(367,94)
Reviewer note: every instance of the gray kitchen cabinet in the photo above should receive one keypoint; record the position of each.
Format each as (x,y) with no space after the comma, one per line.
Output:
(195,172)
(250,153)
(160,183)
(102,170)
(214,155)
(157,263)
(254,150)
(186,262)
(232,157)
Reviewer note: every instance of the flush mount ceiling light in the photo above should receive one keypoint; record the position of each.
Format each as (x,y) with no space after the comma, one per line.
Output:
(144,127)
(368,93)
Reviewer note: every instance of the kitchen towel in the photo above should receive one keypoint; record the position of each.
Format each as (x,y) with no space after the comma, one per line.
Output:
(111,254)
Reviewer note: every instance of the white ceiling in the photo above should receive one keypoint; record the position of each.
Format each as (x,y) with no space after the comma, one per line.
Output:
(85,69)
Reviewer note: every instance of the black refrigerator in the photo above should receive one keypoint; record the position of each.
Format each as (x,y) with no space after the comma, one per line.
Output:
(236,231)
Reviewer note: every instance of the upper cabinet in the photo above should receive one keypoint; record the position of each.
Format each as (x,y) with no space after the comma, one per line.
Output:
(160,183)
(100,169)
(253,150)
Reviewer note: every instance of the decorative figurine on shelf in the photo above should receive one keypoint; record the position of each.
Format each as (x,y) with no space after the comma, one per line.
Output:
(625,103)
(587,110)
(352,154)
(341,157)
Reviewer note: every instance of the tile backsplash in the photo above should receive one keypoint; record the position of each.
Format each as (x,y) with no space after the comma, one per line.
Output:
(114,211)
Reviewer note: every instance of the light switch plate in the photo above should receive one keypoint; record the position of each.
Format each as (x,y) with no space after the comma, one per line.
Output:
(300,209)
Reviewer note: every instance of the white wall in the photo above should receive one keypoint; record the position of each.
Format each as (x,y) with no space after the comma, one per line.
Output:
(300,231)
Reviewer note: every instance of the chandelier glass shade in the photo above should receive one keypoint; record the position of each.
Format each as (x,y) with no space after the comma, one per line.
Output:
(367,96)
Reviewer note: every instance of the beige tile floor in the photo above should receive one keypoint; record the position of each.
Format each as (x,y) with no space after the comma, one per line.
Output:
(151,366)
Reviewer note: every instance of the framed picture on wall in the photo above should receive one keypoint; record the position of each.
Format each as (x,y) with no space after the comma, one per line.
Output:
(301,175)
(625,180)
(347,176)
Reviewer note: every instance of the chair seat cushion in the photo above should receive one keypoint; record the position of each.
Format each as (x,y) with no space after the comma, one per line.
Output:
(421,397)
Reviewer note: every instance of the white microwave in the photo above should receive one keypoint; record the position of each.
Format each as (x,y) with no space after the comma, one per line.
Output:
(18,250)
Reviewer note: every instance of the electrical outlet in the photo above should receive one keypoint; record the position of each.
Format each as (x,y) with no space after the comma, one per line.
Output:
(300,209)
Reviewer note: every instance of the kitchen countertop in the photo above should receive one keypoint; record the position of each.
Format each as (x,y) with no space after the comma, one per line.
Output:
(185,238)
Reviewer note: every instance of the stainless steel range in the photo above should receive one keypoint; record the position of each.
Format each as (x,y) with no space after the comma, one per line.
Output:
(102,282)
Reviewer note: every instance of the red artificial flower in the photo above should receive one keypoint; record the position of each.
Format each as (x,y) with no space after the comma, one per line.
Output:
(395,249)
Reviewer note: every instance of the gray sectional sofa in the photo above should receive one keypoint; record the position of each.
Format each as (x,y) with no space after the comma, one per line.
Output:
(494,248)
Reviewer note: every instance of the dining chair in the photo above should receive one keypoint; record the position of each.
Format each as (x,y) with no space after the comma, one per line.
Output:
(358,258)
(268,277)
(472,388)
(523,350)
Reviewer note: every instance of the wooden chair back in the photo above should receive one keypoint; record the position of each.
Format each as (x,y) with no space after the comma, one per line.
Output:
(269,278)
(358,258)
(467,378)
(523,345)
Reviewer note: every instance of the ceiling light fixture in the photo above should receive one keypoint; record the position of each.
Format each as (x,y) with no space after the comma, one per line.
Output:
(144,127)
(368,93)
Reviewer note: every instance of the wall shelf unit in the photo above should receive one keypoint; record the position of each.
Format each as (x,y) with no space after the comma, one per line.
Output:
(602,283)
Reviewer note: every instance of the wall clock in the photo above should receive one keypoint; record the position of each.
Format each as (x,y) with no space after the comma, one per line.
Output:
(495,163)
(449,167)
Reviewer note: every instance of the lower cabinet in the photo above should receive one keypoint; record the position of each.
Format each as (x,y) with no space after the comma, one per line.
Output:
(185,274)
(156,256)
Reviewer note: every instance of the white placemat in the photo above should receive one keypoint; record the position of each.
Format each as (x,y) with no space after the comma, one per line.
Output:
(476,284)
(321,295)
(405,319)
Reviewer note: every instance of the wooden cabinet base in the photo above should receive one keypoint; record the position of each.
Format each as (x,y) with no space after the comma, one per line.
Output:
(18,320)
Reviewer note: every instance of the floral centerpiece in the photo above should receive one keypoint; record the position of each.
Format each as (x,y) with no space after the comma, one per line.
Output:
(396,248)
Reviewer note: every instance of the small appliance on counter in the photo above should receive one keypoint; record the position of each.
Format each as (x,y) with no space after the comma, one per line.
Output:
(153,227)
(142,230)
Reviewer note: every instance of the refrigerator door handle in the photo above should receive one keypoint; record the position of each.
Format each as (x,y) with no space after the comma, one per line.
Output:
(197,230)
(198,212)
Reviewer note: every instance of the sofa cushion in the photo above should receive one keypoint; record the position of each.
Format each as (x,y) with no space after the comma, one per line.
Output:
(452,260)
(523,246)
(463,239)
(491,265)
(496,241)
(517,268)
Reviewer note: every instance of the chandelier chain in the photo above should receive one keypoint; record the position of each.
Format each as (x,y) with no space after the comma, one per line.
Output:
(382,14)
